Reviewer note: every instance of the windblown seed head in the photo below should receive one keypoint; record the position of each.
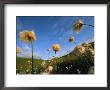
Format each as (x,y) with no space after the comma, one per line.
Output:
(78,26)
(50,68)
(43,63)
(78,50)
(90,51)
(71,39)
(18,50)
(86,44)
(56,47)
(27,36)
(48,49)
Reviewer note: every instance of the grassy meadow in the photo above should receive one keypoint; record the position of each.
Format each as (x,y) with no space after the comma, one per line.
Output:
(67,64)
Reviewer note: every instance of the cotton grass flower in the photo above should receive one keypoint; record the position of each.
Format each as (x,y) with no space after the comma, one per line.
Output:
(79,50)
(78,26)
(48,49)
(27,36)
(86,44)
(18,50)
(71,39)
(50,68)
(56,48)
(88,48)
(90,51)
(43,63)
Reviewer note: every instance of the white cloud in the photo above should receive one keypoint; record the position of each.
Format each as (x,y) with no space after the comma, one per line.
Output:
(27,52)
(26,47)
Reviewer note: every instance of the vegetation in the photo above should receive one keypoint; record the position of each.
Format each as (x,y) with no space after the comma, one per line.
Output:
(67,64)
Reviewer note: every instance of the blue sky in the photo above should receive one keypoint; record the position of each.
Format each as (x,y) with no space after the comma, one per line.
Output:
(51,30)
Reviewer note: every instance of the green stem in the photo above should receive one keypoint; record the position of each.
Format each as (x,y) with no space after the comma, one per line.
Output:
(55,52)
(48,55)
(32,59)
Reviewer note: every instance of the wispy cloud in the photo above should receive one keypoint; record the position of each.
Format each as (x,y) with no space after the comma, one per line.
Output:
(61,25)
(27,52)
(90,40)
(64,28)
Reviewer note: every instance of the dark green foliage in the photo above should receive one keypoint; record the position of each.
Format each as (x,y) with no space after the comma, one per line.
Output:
(82,64)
